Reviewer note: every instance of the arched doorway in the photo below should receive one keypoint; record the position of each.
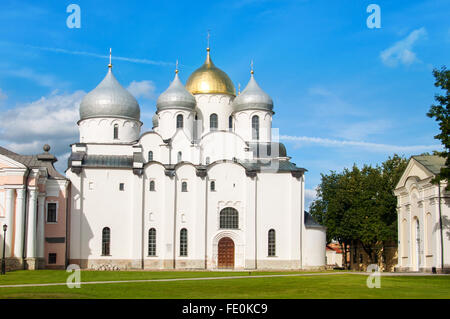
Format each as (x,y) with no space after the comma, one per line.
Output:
(226,253)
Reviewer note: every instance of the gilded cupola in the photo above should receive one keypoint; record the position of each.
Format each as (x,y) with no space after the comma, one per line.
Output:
(210,79)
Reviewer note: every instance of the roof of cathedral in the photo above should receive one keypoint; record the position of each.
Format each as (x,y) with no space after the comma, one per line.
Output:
(433,163)
(210,79)
(155,120)
(44,160)
(176,96)
(126,161)
(311,222)
(253,98)
(109,99)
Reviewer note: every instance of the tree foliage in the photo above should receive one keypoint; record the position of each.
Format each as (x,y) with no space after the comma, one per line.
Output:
(441,113)
(358,205)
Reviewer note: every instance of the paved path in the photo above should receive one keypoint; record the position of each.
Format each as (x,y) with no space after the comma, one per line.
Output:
(220,278)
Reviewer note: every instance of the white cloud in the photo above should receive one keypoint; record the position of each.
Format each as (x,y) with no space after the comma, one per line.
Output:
(310,196)
(144,89)
(44,80)
(371,147)
(401,52)
(106,57)
(48,120)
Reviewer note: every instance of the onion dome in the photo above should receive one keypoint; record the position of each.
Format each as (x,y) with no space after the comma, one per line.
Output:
(210,79)
(176,96)
(253,98)
(109,99)
(155,120)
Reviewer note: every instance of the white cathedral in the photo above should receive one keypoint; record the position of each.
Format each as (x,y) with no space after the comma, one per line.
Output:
(207,188)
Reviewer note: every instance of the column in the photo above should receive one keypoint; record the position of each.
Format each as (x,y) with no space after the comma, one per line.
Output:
(20,225)
(9,221)
(40,227)
(31,229)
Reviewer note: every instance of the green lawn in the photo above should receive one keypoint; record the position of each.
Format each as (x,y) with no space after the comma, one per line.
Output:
(327,286)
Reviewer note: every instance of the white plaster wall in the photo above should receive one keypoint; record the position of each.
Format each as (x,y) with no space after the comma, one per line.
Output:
(279,208)
(223,145)
(314,247)
(101,204)
(243,124)
(208,104)
(101,130)
(168,122)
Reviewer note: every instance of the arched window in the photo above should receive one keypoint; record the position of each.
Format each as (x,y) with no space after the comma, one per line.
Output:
(213,122)
(179,157)
(179,121)
(184,187)
(152,242)
(183,242)
(213,186)
(116,131)
(255,127)
(152,186)
(229,218)
(150,156)
(230,123)
(271,241)
(207,160)
(106,241)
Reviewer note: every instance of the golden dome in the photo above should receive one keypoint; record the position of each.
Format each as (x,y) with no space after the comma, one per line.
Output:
(210,79)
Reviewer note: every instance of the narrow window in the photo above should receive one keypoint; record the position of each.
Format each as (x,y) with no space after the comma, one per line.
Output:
(179,157)
(150,156)
(116,131)
(208,160)
(52,258)
(152,186)
(229,218)
(213,122)
(213,186)
(230,123)
(179,121)
(184,187)
(51,212)
(271,240)
(255,127)
(121,186)
(152,242)
(183,242)
(106,239)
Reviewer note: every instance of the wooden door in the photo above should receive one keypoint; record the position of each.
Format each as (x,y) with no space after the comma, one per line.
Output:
(226,253)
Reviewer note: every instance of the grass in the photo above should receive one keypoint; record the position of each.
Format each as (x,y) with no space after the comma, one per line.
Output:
(335,286)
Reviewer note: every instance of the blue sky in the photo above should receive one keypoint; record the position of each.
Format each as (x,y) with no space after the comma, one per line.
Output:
(343,93)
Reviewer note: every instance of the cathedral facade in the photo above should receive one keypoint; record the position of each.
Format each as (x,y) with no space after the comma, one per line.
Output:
(206,188)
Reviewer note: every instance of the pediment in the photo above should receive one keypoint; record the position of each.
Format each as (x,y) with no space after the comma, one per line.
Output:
(414,171)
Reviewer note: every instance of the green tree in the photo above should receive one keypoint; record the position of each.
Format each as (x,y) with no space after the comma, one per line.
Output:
(358,205)
(441,112)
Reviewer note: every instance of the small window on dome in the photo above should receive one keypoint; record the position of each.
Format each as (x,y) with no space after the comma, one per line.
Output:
(179,121)
(116,131)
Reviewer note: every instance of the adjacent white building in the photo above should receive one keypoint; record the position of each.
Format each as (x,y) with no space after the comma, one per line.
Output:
(207,188)
(423,217)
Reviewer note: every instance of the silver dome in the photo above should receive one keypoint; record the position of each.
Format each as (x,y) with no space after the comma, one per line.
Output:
(155,120)
(109,99)
(176,96)
(253,97)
